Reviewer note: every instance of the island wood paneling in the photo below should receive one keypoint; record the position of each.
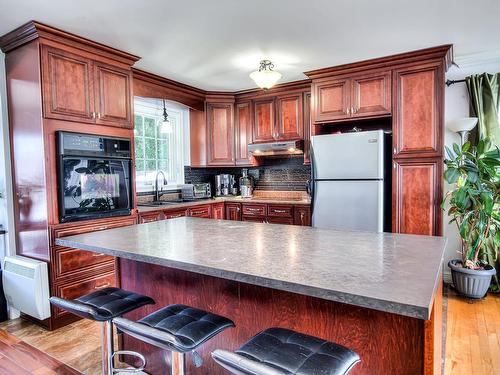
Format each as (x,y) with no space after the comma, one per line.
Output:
(387,343)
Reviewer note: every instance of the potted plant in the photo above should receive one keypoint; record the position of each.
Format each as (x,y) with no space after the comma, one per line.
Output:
(474,205)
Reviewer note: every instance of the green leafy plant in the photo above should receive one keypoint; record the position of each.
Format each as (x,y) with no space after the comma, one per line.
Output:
(474,173)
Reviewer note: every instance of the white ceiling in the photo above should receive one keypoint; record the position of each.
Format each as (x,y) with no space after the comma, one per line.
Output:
(215,44)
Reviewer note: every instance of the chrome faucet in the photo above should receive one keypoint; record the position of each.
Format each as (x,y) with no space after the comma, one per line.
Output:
(157,193)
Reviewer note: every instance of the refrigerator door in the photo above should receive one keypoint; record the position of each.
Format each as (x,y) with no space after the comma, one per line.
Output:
(349,156)
(349,205)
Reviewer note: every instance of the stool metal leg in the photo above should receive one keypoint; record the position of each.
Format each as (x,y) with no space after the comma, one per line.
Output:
(178,363)
(107,347)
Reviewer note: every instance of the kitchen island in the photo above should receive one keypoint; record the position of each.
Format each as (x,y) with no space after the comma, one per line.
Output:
(378,294)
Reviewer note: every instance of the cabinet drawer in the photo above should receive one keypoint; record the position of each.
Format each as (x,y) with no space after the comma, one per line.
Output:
(254,219)
(254,209)
(150,217)
(200,211)
(279,220)
(174,214)
(279,211)
(70,261)
(79,288)
(65,230)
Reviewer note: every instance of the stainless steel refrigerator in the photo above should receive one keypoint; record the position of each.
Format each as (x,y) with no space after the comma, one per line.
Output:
(350,181)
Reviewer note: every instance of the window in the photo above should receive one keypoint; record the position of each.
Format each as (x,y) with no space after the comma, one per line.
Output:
(154,150)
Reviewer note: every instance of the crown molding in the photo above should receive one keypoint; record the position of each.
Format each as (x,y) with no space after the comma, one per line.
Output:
(478,58)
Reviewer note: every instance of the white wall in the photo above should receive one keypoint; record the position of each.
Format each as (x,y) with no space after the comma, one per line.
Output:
(456,106)
(7,244)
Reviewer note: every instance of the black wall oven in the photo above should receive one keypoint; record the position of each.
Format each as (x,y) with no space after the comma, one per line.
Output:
(94,176)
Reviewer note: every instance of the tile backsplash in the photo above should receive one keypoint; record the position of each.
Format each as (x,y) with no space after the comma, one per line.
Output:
(275,174)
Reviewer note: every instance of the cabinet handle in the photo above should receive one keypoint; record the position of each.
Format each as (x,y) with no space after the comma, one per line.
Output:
(394,150)
(102,228)
(237,209)
(93,115)
(348,111)
(175,216)
(253,209)
(280,211)
(99,115)
(98,254)
(198,212)
(102,285)
(302,218)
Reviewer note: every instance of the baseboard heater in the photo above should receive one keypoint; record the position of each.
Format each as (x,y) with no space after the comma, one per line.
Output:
(26,286)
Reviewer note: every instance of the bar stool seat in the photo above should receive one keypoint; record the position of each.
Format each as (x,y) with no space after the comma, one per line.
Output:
(178,328)
(104,304)
(279,351)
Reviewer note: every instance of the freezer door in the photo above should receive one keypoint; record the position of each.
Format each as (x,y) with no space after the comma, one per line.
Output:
(348,156)
(349,205)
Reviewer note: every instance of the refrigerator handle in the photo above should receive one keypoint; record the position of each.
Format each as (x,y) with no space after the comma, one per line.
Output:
(311,182)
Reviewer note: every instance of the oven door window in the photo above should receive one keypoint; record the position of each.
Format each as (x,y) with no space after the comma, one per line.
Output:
(95,186)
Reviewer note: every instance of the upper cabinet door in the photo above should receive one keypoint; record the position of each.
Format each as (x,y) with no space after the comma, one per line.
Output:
(264,119)
(418,109)
(114,99)
(220,134)
(68,92)
(331,100)
(371,95)
(243,133)
(290,124)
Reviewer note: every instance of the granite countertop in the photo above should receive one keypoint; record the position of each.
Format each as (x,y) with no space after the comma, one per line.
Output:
(389,272)
(237,199)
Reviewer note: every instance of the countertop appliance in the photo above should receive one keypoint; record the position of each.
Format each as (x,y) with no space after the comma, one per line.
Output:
(196,191)
(350,185)
(246,184)
(225,185)
(94,176)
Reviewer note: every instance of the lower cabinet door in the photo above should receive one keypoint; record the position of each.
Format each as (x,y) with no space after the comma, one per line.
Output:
(78,288)
(72,262)
(302,216)
(417,191)
(218,211)
(233,211)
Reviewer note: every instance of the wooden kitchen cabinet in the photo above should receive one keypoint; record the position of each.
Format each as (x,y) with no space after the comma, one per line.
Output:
(204,211)
(290,124)
(220,134)
(302,216)
(417,192)
(362,95)
(233,211)
(332,99)
(150,217)
(264,120)
(218,211)
(242,132)
(113,100)
(76,88)
(68,85)
(418,115)
(371,94)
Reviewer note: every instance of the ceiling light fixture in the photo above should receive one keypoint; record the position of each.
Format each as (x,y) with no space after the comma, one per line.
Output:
(265,77)
(166,125)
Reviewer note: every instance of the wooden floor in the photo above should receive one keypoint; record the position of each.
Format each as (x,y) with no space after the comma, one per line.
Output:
(473,336)
(19,358)
(473,333)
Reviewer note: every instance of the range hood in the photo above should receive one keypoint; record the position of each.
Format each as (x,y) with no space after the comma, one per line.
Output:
(276,148)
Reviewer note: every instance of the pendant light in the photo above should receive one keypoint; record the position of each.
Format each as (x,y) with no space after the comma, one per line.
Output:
(166,125)
(265,77)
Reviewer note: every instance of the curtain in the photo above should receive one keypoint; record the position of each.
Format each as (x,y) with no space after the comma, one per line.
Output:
(484,94)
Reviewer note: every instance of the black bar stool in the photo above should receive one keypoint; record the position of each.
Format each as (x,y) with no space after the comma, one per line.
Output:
(279,351)
(103,305)
(177,328)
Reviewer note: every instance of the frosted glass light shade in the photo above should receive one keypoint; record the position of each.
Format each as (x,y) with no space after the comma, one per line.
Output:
(265,79)
(165,127)
(462,124)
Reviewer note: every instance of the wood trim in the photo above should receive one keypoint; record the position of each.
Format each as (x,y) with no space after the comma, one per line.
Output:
(153,86)
(34,29)
(286,87)
(442,52)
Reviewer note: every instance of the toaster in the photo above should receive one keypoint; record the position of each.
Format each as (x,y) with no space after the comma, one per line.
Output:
(196,191)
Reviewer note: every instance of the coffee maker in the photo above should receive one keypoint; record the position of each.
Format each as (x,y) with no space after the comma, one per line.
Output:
(225,185)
